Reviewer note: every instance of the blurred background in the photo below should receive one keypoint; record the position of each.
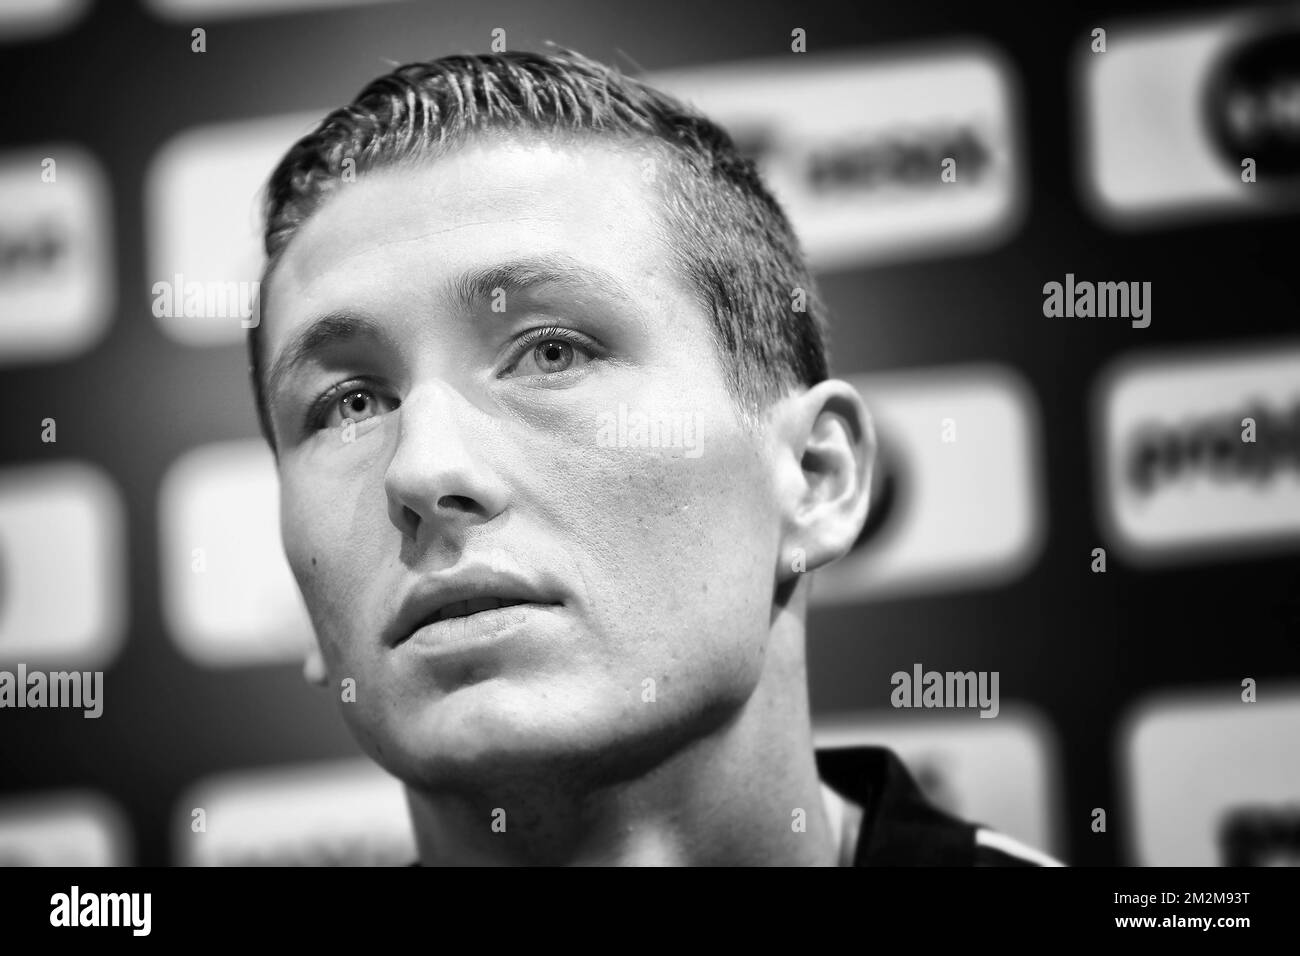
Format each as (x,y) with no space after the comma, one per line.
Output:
(1072,500)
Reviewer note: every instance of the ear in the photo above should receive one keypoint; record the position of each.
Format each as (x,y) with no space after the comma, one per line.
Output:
(827,451)
(313,668)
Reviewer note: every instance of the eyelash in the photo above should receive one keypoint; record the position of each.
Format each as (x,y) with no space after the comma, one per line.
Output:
(320,407)
(533,336)
(315,419)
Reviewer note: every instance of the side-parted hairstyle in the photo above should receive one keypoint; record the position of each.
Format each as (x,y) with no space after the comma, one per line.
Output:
(728,235)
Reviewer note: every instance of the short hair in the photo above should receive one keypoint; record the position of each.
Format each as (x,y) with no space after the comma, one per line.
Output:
(725,231)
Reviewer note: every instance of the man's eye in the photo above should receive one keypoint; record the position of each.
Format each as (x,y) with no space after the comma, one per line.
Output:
(553,355)
(549,351)
(349,402)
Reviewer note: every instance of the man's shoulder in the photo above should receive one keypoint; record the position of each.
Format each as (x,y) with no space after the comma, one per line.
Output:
(900,827)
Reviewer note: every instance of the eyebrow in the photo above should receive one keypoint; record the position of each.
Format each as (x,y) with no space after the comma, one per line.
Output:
(467,290)
(332,329)
(522,275)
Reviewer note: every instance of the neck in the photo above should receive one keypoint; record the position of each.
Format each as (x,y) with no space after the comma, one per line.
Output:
(745,793)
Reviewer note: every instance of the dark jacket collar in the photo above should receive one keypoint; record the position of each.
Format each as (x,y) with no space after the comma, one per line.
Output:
(899,826)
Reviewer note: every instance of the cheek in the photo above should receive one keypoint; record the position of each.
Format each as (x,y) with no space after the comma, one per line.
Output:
(677,554)
(701,537)
(331,533)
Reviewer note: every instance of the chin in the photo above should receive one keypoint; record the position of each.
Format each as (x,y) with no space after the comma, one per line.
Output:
(483,735)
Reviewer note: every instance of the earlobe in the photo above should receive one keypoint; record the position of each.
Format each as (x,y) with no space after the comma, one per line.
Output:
(313,668)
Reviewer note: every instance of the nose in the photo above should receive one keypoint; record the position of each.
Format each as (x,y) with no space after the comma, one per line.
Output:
(440,479)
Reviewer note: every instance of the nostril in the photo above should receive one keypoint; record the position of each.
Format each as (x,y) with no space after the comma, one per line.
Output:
(459,503)
(410,518)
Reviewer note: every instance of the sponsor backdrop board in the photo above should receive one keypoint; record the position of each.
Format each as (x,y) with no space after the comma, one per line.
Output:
(1081,350)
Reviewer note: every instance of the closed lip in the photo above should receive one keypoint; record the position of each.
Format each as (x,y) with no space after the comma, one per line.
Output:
(466,588)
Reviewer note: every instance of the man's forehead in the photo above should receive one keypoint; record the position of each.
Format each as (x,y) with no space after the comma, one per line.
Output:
(522,197)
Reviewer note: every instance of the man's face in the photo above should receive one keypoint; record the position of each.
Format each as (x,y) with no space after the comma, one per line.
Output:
(519,313)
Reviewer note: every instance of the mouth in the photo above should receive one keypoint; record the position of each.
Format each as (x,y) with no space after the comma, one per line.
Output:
(476,621)
(469,608)
(474,601)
